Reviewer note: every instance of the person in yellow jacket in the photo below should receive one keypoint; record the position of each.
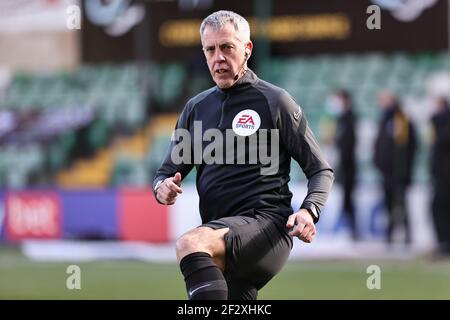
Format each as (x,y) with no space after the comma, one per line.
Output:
(395,148)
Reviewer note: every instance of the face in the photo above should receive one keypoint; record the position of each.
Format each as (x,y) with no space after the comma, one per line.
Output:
(225,54)
(385,99)
(440,104)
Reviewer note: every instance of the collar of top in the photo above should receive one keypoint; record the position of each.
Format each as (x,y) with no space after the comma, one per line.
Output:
(247,79)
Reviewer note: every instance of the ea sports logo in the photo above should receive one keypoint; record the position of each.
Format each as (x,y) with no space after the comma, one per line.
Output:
(246,122)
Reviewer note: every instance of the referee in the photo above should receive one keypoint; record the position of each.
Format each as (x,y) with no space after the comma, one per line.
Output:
(248,222)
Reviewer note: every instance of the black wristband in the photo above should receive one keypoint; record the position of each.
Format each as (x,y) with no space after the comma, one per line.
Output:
(312,211)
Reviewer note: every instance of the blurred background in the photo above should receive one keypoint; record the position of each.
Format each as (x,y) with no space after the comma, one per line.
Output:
(89,95)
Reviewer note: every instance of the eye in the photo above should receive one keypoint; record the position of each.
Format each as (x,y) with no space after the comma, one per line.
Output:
(209,50)
(227,48)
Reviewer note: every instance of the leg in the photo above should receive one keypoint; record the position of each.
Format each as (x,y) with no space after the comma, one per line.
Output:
(256,250)
(438,219)
(251,250)
(203,239)
(201,254)
(445,212)
(441,215)
(349,208)
(239,289)
(404,214)
(389,204)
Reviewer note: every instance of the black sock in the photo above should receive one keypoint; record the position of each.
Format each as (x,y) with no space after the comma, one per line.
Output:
(204,280)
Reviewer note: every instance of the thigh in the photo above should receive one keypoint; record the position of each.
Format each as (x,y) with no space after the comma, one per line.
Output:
(203,239)
(257,248)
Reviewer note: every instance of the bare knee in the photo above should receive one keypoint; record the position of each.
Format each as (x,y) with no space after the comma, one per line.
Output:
(202,239)
(187,243)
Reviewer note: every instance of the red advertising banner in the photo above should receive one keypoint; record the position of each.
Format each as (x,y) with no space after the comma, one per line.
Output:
(32,215)
(141,218)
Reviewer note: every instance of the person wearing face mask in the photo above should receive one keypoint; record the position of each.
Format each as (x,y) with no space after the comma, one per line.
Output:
(248,224)
(345,141)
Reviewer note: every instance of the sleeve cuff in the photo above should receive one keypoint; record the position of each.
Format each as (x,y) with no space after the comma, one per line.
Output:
(156,185)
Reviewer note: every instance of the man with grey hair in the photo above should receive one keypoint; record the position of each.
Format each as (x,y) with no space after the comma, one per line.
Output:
(226,24)
(248,221)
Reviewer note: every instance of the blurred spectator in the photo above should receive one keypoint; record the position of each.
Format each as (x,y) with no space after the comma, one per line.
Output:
(440,174)
(8,122)
(345,140)
(199,78)
(395,147)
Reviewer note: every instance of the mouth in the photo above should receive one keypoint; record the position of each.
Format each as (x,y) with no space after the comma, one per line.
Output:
(221,71)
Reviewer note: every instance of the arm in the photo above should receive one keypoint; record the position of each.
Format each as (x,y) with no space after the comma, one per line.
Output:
(167,181)
(299,141)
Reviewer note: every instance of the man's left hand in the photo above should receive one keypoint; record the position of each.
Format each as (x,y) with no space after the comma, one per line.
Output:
(302,225)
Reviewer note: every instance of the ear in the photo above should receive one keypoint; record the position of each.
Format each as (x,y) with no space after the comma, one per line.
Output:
(248,49)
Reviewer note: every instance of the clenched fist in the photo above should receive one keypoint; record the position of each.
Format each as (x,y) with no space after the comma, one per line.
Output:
(169,190)
(302,226)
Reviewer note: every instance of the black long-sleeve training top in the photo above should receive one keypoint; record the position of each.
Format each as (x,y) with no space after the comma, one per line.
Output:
(227,187)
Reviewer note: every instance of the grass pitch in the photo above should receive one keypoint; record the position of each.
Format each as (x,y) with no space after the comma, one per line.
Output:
(21,278)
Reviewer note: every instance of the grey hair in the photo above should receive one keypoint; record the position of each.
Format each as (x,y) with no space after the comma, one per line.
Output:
(219,19)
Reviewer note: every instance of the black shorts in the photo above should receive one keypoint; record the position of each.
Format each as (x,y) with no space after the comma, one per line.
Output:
(257,247)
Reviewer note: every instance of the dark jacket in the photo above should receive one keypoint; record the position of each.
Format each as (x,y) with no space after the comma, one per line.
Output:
(231,189)
(346,144)
(395,147)
(440,156)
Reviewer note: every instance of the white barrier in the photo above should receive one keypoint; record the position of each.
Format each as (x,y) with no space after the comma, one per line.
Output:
(333,238)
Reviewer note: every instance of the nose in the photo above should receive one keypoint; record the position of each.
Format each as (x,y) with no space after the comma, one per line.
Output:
(218,56)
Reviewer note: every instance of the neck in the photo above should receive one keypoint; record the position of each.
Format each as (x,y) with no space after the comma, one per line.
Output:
(240,73)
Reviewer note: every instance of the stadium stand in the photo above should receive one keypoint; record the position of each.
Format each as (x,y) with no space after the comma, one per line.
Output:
(116,142)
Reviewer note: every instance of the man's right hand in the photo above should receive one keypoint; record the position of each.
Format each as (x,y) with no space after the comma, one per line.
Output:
(169,189)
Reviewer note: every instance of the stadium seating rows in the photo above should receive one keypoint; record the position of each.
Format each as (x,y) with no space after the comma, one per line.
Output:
(121,94)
